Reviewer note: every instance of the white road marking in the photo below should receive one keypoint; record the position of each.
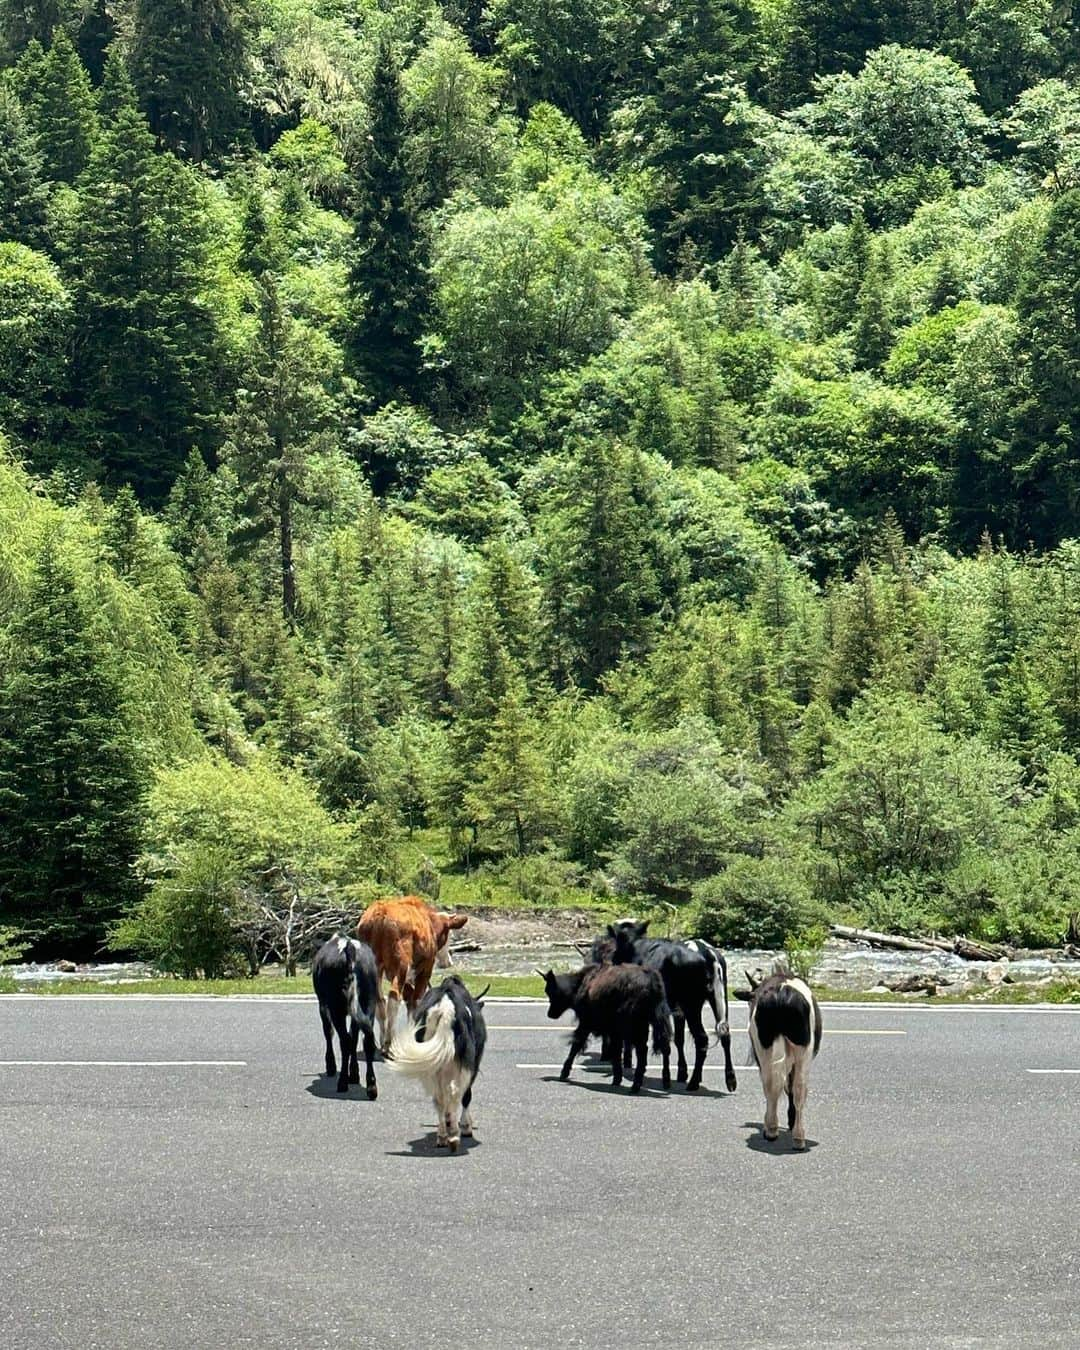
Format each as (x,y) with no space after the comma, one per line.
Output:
(124,1063)
(1053,1070)
(829,1031)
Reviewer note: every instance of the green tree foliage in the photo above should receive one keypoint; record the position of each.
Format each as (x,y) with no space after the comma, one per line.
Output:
(34,336)
(146,340)
(23,195)
(386,281)
(61,110)
(71,780)
(189,62)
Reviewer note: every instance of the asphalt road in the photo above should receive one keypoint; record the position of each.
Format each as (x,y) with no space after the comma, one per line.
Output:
(246,1204)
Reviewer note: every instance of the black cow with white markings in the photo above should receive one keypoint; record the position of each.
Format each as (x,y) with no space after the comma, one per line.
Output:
(346,984)
(691,977)
(785,1033)
(621,1005)
(443,1049)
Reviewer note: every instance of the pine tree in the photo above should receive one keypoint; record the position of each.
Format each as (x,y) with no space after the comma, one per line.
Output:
(1047,436)
(282,409)
(873,331)
(510,783)
(146,349)
(70,781)
(189,59)
(62,111)
(386,284)
(23,196)
(682,125)
(26,21)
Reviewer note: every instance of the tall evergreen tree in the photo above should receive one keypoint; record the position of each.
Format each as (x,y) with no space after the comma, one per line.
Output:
(147,343)
(23,195)
(189,60)
(70,781)
(386,279)
(684,125)
(62,112)
(26,21)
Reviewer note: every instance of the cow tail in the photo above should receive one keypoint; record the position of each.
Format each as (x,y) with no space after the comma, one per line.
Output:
(720,994)
(427,1058)
(661,1028)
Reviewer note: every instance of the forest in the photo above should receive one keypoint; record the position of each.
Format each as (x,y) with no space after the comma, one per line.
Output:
(626,450)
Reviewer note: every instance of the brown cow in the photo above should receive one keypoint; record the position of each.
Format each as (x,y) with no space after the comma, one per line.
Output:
(408,937)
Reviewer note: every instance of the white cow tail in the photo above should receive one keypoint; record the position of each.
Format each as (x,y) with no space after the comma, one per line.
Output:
(426,1058)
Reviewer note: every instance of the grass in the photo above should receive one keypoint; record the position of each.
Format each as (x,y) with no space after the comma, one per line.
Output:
(501,986)
(519,986)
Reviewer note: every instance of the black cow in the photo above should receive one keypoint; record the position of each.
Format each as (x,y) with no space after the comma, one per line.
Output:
(785,1033)
(620,1004)
(443,1049)
(347,985)
(689,983)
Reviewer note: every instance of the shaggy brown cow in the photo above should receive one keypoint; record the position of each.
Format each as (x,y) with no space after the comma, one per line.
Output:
(408,937)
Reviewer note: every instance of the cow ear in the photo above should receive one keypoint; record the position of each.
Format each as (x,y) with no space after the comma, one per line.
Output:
(611,931)
(458,920)
(640,929)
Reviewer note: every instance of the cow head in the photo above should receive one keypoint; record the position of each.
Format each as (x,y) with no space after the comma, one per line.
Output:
(625,934)
(559,990)
(442,925)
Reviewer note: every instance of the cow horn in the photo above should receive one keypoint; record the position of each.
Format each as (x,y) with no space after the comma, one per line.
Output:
(753,983)
(586,952)
(479,997)
(541,973)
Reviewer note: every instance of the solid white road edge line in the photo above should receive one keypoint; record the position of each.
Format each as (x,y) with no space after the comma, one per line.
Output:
(1053,1070)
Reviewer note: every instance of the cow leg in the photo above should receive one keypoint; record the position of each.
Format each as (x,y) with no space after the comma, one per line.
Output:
(328,1032)
(701,1046)
(381,1015)
(341,1026)
(453,1125)
(440,1128)
(772,1065)
(641,1050)
(369,1066)
(800,1076)
(617,1061)
(577,1044)
(466,1114)
(791,1100)
(680,1031)
(354,1066)
(628,1054)
(730,1081)
(393,1003)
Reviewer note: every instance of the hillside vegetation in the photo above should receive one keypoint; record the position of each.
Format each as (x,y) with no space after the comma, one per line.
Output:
(620,450)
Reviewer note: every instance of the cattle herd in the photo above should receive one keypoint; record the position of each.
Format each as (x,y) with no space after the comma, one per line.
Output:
(632,987)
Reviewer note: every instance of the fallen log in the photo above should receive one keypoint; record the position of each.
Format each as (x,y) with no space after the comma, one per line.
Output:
(466,947)
(904,944)
(978,951)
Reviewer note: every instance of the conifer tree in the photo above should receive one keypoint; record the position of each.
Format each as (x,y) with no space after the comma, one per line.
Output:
(510,783)
(62,112)
(146,349)
(386,283)
(23,195)
(26,21)
(873,334)
(1047,437)
(684,126)
(189,59)
(70,780)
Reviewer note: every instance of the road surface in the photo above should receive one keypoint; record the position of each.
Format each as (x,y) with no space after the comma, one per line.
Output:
(190,1181)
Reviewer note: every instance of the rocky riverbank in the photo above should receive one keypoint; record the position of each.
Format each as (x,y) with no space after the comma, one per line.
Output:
(514,944)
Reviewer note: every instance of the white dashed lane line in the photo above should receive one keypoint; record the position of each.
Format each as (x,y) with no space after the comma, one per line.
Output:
(123,1063)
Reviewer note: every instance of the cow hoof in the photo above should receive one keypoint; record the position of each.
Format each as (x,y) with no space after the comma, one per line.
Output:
(354,1078)
(635,1088)
(799,1145)
(770,1137)
(731,1083)
(343,1087)
(564,1076)
(372,1092)
(666,1082)
(693,1087)
(453,1145)
(682,1076)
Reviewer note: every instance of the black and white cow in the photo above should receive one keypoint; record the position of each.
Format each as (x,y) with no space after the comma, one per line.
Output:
(443,1049)
(347,985)
(621,1005)
(785,1033)
(690,980)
